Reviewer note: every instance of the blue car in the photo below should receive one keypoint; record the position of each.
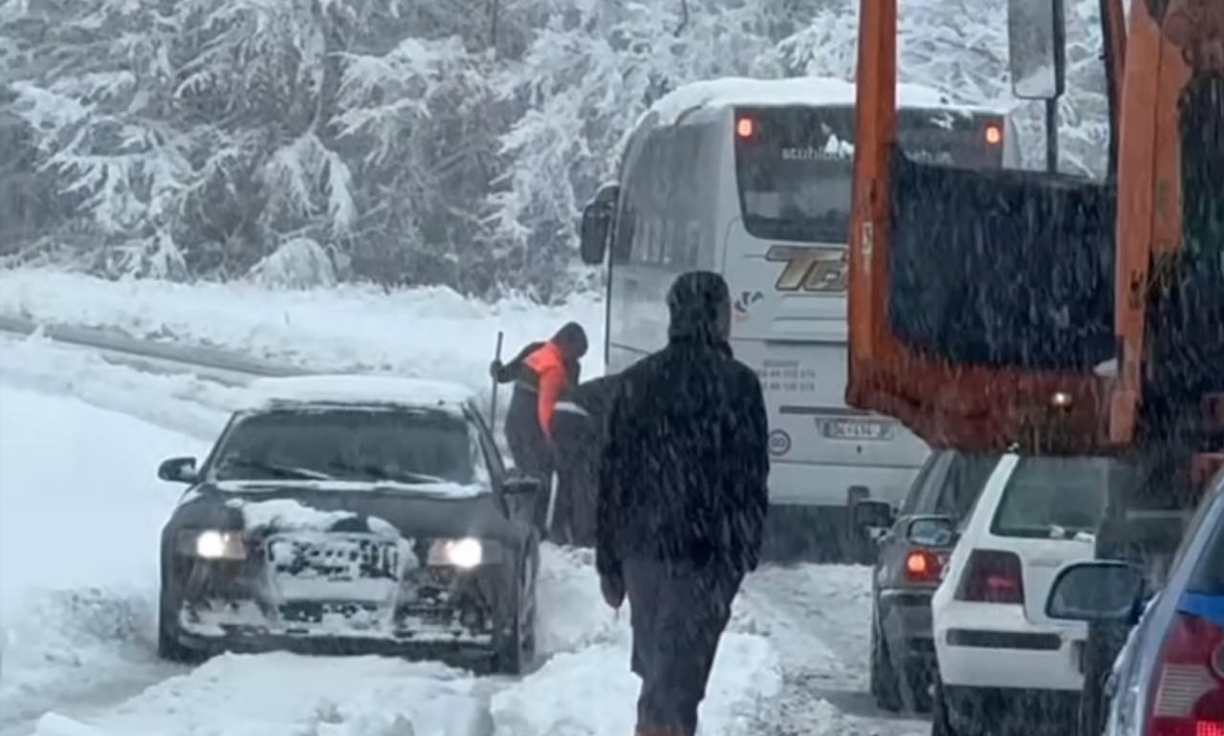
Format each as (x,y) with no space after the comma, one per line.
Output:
(1169,678)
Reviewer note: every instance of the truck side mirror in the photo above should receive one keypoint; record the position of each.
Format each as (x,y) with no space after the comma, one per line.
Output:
(597,224)
(1036,33)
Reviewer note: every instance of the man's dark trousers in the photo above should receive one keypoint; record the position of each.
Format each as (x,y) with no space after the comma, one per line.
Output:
(678,611)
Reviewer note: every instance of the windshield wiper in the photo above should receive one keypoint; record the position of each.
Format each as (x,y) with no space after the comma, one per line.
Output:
(377,473)
(287,472)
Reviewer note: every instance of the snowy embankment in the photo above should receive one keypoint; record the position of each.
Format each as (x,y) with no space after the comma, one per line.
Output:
(80,517)
(414,332)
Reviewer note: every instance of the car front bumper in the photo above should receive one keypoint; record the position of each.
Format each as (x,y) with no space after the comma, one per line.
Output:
(254,605)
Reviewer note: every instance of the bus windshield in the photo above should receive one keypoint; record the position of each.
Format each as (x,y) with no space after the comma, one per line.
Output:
(794,165)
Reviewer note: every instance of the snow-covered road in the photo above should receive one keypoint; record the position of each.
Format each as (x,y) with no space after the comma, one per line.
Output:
(80,515)
(81,511)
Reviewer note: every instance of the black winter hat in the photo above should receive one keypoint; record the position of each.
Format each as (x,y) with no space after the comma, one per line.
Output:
(572,340)
(700,305)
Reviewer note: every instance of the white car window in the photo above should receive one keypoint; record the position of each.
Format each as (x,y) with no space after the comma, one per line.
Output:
(1056,497)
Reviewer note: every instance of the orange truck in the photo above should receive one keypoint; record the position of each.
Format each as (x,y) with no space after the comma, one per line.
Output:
(1043,313)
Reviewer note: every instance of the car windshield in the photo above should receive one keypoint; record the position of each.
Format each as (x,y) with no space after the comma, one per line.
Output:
(1057,497)
(1208,578)
(401,445)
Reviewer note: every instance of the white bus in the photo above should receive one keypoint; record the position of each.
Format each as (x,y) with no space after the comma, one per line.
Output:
(751,178)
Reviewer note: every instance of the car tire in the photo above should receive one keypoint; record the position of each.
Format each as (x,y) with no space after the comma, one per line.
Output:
(941,723)
(516,652)
(885,685)
(169,647)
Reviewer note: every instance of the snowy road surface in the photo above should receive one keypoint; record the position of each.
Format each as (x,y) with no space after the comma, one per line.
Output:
(80,515)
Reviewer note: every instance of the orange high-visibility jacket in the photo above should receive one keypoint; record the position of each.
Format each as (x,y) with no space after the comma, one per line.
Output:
(547,367)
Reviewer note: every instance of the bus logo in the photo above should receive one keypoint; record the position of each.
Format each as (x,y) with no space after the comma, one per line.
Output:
(820,269)
(744,303)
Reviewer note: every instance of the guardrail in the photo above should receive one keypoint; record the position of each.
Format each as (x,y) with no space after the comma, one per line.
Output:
(151,355)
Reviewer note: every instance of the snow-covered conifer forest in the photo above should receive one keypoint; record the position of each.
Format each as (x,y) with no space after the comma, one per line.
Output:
(450,142)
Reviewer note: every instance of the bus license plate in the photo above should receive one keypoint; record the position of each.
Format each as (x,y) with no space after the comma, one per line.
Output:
(851,429)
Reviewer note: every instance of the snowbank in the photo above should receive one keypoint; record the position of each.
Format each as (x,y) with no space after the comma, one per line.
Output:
(424,333)
(586,688)
(183,404)
(286,695)
(81,511)
(592,692)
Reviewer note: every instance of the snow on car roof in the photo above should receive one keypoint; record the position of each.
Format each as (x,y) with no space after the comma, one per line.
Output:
(357,390)
(727,91)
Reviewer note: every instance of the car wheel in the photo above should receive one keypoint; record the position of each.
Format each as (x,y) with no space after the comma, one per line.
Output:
(885,686)
(168,645)
(941,724)
(516,652)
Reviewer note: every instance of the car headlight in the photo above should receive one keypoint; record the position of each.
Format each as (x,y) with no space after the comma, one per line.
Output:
(464,553)
(212,544)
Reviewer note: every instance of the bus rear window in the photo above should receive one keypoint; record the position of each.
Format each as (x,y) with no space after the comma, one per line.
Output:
(794,164)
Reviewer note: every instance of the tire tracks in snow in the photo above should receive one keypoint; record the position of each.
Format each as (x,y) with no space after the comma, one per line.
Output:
(817,616)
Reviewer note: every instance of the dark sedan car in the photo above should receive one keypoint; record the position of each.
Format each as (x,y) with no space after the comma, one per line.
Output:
(908,569)
(352,514)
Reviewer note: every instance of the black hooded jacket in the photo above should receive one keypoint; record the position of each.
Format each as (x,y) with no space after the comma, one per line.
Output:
(684,470)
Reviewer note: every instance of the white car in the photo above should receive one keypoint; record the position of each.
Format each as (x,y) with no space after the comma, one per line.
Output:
(1004,666)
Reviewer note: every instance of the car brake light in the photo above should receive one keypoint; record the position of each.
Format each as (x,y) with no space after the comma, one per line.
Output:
(922,566)
(1189,698)
(992,576)
(994,134)
(744,127)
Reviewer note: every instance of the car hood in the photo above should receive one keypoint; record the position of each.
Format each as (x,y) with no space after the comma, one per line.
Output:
(270,507)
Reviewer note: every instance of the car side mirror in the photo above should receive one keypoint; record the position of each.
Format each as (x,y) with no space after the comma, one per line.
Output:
(178,470)
(597,225)
(1036,38)
(522,485)
(932,531)
(872,514)
(1099,590)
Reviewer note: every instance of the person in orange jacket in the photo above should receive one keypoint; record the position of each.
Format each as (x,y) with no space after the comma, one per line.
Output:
(541,373)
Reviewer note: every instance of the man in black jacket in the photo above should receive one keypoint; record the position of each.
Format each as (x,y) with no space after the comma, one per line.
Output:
(682,500)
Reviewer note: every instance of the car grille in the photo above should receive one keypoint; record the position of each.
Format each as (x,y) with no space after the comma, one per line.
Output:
(334,567)
(335,557)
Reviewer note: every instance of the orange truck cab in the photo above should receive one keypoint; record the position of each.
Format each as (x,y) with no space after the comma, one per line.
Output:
(1035,310)
(1039,312)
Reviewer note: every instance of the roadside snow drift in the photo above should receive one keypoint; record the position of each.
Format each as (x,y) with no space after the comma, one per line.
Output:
(586,688)
(286,695)
(182,403)
(424,333)
(81,512)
